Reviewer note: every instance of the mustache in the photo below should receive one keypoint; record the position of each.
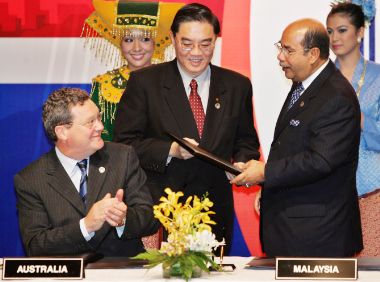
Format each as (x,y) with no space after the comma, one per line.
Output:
(283,64)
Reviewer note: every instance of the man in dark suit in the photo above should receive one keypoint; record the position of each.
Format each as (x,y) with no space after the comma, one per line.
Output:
(64,212)
(309,203)
(192,99)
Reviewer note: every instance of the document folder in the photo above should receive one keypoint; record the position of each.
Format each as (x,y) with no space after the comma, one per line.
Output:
(205,155)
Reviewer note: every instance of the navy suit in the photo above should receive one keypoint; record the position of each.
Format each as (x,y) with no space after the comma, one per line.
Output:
(155,102)
(309,204)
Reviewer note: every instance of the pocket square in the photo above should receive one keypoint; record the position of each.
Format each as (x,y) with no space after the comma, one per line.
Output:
(294,122)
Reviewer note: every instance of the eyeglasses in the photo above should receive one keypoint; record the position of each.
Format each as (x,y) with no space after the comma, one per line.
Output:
(205,46)
(89,124)
(286,51)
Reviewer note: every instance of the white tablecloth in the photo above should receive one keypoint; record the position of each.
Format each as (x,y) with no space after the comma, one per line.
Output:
(241,273)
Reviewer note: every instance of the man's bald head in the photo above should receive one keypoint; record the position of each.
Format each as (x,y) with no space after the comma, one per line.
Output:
(312,34)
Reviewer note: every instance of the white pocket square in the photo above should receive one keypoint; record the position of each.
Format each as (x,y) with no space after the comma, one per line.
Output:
(294,122)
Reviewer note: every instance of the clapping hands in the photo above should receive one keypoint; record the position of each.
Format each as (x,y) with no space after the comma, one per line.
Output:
(111,210)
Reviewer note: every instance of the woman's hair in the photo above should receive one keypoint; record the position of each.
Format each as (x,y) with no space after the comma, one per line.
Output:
(353,11)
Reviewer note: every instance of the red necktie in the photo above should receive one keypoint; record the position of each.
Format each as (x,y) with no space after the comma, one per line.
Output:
(196,106)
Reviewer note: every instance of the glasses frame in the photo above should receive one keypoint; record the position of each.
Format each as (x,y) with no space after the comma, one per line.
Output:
(287,52)
(89,124)
(204,49)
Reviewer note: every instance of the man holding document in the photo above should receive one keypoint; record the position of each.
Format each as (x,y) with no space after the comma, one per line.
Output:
(192,99)
(309,204)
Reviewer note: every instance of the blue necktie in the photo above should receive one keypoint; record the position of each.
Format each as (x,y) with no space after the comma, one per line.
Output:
(296,94)
(83,180)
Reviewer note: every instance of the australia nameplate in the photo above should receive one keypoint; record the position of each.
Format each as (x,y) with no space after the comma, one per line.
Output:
(53,268)
(316,268)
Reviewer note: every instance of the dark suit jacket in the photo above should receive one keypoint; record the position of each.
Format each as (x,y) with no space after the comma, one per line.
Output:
(309,203)
(155,102)
(50,207)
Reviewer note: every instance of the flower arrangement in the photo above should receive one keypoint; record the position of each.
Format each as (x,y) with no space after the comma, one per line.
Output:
(190,241)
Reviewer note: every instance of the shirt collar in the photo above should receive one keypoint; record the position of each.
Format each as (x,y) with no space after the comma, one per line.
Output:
(306,83)
(69,164)
(186,78)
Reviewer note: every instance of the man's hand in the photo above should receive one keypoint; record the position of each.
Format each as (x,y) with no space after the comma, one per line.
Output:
(112,210)
(116,214)
(178,152)
(253,173)
(257,202)
(239,165)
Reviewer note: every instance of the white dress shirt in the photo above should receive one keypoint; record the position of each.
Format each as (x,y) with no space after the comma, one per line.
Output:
(75,174)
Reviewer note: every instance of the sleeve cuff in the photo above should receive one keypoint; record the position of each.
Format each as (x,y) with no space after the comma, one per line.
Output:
(86,235)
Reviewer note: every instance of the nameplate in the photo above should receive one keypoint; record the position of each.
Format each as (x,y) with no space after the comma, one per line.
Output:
(52,268)
(316,268)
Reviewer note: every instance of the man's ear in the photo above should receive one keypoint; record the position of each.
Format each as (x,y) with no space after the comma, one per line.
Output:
(172,37)
(314,55)
(61,132)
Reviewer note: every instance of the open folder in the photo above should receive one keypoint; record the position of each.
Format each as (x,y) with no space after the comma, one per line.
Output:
(205,155)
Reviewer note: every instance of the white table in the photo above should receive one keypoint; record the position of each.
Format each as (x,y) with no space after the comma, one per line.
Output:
(240,274)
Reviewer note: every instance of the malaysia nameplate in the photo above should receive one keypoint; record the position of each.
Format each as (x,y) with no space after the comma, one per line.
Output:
(52,268)
(317,268)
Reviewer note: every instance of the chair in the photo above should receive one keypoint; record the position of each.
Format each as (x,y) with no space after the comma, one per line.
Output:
(153,241)
(370,218)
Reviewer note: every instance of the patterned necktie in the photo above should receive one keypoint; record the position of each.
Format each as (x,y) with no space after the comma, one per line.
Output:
(83,180)
(196,106)
(296,94)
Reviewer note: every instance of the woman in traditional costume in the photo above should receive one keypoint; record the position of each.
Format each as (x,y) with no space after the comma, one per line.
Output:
(346,25)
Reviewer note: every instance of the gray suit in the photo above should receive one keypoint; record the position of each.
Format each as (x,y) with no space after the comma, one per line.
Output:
(50,207)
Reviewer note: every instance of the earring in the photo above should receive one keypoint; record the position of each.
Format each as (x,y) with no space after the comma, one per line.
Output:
(359,40)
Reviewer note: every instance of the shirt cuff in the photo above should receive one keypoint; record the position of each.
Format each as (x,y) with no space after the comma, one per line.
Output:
(168,160)
(86,235)
(120,230)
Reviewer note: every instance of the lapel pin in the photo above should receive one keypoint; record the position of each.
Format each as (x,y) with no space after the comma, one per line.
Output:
(102,169)
(302,104)
(217,104)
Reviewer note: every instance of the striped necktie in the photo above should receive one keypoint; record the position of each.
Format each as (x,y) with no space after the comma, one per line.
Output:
(83,180)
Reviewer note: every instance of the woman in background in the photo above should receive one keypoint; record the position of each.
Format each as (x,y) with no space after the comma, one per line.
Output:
(346,25)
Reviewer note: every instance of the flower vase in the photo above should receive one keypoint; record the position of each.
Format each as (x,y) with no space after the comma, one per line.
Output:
(174,270)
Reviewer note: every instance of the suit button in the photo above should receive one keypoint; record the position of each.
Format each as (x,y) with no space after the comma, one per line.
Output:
(278,143)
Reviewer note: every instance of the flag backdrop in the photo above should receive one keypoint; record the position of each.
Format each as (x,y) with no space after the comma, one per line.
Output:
(41,50)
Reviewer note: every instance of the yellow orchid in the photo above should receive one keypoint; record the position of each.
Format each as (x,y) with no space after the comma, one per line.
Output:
(190,239)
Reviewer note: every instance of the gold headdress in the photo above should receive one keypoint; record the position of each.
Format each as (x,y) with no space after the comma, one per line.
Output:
(113,20)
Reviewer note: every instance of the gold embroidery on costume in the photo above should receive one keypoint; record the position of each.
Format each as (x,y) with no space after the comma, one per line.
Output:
(110,86)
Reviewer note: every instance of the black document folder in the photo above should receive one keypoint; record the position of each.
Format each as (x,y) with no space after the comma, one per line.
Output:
(205,155)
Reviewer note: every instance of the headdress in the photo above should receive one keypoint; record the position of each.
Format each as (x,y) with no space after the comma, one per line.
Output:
(112,20)
(368,8)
